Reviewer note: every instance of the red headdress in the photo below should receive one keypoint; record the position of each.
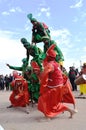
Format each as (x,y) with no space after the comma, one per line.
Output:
(15,74)
(50,52)
(19,81)
(35,66)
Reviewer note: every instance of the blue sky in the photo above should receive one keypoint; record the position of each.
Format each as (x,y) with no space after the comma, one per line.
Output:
(66,20)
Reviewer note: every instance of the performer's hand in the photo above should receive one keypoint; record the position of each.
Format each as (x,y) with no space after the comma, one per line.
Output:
(20,90)
(16,97)
(8,65)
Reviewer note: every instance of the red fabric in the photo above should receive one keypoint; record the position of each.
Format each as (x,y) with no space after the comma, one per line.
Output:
(45,62)
(50,52)
(52,77)
(22,93)
(35,65)
(51,100)
(68,96)
(45,26)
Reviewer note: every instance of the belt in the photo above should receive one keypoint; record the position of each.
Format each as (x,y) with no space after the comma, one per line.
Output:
(55,86)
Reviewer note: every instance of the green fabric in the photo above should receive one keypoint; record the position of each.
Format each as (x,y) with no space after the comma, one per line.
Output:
(35,53)
(16,68)
(33,20)
(34,86)
(59,56)
(39,33)
(37,38)
(22,68)
(29,16)
(25,42)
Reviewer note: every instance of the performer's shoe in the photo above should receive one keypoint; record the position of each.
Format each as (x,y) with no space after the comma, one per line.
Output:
(27,108)
(10,106)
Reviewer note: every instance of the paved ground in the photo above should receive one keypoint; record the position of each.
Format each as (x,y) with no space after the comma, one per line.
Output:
(17,119)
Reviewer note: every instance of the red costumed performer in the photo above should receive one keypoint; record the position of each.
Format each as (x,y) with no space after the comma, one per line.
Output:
(20,95)
(51,98)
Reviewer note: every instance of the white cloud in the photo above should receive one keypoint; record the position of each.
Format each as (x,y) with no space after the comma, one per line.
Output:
(47,14)
(62,36)
(16,9)
(63,32)
(79,4)
(44,10)
(13,10)
(11,51)
(71,62)
(5,13)
(83,58)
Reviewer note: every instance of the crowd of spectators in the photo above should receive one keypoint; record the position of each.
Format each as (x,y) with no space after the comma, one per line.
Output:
(5,81)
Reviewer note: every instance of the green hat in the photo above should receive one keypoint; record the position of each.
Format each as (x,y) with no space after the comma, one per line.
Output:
(29,16)
(24,59)
(33,20)
(24,41)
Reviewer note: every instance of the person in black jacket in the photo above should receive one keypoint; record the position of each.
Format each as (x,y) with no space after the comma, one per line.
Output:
(72,77)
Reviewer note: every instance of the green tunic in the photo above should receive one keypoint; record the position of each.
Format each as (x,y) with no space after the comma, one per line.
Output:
(34,87)
(22,68)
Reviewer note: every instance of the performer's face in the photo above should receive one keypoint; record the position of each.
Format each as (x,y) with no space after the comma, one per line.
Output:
(18,83)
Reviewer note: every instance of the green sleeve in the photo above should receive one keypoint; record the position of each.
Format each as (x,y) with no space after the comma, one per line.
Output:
(15,68)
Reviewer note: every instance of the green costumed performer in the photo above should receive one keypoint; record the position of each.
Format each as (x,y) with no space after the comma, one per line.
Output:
(33,81)
(59,55)
(34,87)
(39,30)
(26,44)
(22,68)
(33,84)
(34,51)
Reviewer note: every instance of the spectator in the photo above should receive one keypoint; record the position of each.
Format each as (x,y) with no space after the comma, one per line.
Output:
(1,82)
(7,81)
(72,76)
